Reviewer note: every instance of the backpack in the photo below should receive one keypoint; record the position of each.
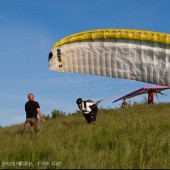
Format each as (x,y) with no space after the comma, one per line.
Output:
(86,102)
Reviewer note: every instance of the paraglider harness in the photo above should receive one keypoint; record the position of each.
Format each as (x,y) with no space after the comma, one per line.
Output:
(91,116)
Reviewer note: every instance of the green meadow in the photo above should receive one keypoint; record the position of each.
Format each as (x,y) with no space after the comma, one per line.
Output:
(133,138)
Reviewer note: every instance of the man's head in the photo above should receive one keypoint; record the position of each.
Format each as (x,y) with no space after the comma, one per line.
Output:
(79,101)
(30,96)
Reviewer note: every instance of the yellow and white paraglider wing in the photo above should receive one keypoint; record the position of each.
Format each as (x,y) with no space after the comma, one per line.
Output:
(128,54)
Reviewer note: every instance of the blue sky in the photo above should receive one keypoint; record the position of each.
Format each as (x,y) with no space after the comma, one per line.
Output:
(28,29)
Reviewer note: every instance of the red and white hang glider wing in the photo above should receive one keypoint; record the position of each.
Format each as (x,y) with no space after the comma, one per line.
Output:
(142,91)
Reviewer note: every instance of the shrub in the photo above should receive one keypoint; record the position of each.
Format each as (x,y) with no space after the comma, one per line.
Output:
(55,113)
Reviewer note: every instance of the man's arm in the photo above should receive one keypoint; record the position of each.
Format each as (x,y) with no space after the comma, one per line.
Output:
(91,105)
(40,114)
(94,103)
(97,102)
(125,106)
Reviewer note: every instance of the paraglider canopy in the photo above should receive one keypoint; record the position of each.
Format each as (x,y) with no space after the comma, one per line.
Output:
(118,53)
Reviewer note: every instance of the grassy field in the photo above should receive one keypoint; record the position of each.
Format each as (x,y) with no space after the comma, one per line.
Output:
(134,138)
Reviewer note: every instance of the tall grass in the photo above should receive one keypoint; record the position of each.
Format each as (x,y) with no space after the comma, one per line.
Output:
(133,138)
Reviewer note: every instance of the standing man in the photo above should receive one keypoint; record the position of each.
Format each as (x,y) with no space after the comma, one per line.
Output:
(151,96)
(32,108)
